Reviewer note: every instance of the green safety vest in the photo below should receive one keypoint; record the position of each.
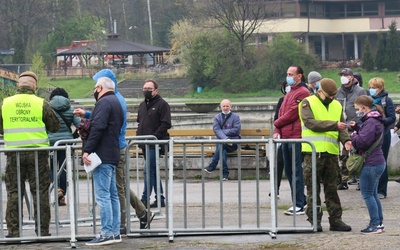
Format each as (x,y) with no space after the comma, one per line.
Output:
(323,141)
(23,122)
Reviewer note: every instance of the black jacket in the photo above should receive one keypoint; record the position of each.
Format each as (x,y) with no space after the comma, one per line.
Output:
(154,118)
(106,121)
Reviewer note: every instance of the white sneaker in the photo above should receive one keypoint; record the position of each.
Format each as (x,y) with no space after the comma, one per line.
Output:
(290,211)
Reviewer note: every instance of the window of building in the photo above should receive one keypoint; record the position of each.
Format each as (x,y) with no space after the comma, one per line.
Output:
(370,9)
(353,9)
(335,10)
(288,9)
(392,8)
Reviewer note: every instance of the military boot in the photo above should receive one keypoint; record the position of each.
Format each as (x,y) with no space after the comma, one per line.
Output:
(338,225)
(319,226)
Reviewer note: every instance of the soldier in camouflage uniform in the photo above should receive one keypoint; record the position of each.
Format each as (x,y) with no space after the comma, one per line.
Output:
(323,124)
(24,120)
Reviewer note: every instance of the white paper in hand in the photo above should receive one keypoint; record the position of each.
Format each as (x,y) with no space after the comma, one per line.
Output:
(395,138)
(96,161)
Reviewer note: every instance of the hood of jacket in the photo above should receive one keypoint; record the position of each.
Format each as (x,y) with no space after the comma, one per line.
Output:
(60,103)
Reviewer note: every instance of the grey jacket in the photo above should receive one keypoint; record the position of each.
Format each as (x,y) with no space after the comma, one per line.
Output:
(62,105)
(346,97)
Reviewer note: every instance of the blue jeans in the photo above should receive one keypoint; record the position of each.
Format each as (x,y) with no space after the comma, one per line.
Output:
(105,189)
(299,180)
(62,182)
(153,176)
(369,179)
(225,149)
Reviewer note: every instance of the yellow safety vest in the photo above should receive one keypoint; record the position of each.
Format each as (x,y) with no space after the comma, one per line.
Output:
(23,122)
(323,141)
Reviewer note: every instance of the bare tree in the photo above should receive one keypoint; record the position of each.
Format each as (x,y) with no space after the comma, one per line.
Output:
(240,17)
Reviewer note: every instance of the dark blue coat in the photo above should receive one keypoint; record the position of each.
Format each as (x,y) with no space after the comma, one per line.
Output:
(106,121)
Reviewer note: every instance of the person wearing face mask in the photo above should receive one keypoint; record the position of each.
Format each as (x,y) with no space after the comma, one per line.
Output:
(323,124)
(346,95)
(380,97)
(135,202)
(287,126)
(314,79)
(365,134)
(106,122)
(154,118)
(226,125)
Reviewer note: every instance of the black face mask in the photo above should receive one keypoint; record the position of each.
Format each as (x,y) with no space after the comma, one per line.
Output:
(96,96)
(147,94)
(327,101)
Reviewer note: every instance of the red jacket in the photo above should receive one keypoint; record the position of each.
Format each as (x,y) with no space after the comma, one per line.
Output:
(288,123)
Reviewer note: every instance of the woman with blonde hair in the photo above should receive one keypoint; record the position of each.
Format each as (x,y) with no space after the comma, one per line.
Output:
(380,97)
(363,137)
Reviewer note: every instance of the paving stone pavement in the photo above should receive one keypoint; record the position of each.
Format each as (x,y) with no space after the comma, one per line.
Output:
(355,214)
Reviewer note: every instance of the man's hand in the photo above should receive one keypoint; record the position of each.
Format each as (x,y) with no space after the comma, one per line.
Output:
(398,110)
(348,145)
(86,160)
(275,136)
(79,112)
(341,126)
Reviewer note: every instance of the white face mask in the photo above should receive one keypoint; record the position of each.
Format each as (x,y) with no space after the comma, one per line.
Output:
(344,80)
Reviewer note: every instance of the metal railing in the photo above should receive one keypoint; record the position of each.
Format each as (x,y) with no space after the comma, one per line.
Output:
(193,205)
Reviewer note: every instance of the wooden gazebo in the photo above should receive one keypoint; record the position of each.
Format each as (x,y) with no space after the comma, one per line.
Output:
(115,48)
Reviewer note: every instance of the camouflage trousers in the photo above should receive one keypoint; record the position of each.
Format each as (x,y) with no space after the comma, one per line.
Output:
(327,173)
(27,172)
(343,171)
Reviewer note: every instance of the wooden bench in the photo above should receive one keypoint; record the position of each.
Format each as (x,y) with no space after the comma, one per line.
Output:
(194,149)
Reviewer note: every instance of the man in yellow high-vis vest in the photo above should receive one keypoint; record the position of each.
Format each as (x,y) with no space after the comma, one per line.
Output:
(323,124)
(24,119)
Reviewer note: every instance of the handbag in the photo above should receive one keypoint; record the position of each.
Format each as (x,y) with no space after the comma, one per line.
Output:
(75,133)
(84,128)
(355,162)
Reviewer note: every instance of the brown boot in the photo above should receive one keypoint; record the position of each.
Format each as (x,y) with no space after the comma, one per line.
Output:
(338,225)
(61,197)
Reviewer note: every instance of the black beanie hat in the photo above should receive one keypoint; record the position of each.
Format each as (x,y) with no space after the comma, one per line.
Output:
(59,91)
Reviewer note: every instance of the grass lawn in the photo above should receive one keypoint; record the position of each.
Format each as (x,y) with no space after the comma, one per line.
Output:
(82,87)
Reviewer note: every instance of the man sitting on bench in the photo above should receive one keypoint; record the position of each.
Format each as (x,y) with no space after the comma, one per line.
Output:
(226,126)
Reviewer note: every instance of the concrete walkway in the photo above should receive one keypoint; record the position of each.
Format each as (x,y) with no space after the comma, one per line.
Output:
(355,214)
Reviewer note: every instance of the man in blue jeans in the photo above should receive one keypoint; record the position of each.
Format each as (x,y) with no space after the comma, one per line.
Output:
(226,126)
(154,118)
(287,126)
(106,122)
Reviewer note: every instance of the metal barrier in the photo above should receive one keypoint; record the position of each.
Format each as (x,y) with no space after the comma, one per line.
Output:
(193,206)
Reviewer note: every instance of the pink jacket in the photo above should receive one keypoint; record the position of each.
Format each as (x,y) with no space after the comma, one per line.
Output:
(288,123)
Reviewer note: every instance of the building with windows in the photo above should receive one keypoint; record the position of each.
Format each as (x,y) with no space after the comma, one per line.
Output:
(334,29)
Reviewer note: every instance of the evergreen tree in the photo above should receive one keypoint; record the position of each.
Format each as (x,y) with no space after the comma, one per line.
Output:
(380,53)
(368,61)
(392,57)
